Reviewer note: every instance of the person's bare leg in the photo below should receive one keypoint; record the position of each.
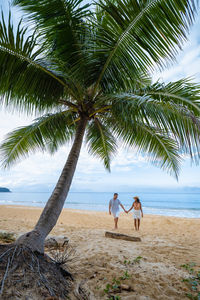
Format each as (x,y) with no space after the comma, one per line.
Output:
(116,222)
(138,224)
(135,224)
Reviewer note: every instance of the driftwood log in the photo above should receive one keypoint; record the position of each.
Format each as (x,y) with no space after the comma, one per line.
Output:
(121,236)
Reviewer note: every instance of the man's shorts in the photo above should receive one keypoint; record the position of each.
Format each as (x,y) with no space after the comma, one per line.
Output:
(115,214)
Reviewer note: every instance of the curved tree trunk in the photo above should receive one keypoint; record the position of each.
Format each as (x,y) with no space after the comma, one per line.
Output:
(51,212)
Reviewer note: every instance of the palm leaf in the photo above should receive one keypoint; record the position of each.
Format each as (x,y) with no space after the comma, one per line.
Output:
(178,109)
(26,78)
(45,133)
(135,35)
(162,150)
(173,108)
(101,142)
(182,92)
(61,25)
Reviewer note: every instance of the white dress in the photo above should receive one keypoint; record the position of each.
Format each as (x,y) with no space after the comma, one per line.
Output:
(137,214)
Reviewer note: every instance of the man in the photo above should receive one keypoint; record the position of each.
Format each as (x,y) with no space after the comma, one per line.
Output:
(114,208)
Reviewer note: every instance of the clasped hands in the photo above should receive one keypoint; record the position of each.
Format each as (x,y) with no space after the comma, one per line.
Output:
(126,211)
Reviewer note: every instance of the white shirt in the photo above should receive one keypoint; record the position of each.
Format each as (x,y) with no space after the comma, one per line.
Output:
(114,204)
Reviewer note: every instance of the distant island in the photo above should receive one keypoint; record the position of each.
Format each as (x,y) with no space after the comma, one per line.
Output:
(4,190)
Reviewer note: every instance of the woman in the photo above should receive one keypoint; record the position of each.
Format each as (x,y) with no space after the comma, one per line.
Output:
(137,213)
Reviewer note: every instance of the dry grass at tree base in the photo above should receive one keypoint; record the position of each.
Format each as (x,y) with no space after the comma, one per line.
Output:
(7,237)
(28,275)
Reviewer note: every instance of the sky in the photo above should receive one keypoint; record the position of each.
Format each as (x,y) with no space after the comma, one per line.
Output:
(129,170)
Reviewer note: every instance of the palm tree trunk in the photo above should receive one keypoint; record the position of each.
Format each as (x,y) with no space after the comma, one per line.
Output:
(51,212)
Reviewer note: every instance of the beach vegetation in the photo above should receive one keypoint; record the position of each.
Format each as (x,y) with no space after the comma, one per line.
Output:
(7,237)
(116,286)
(193,281)
(137,259)
(134,261)
(126,275)
(127,262)
(189,267)
(113,287)
(62,256)
(117,282)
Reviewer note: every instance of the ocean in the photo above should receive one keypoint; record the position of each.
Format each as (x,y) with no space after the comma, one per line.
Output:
(166,204)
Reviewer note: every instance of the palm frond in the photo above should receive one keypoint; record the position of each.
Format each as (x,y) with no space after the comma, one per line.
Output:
(26,80)
(61,24)
(182,92)
(46,133)
(101,142)
(162,150)
(173,108)
(135,35)
(178,110)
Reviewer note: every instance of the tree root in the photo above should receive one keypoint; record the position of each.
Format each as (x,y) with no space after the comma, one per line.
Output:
(25,274)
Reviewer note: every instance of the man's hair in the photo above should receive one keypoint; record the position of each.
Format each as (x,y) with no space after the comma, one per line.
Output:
(115,194)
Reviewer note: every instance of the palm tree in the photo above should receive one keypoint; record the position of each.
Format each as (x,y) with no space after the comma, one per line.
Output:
(85,72)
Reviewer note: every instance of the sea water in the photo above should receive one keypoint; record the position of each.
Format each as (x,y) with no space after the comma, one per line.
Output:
(167,204)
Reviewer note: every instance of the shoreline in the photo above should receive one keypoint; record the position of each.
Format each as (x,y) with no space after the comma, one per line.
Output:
(176,205)
(94,211)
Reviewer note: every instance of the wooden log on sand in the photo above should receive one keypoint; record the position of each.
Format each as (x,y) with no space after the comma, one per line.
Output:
(121,236)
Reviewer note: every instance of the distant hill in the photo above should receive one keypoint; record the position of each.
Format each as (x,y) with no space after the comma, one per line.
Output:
(4,190)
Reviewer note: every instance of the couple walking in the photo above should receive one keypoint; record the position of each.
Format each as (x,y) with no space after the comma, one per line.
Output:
(137,213)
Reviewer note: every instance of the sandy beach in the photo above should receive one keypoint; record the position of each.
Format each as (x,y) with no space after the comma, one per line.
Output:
(166,244)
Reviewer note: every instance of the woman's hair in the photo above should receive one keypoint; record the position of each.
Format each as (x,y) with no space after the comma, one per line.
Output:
(137,199)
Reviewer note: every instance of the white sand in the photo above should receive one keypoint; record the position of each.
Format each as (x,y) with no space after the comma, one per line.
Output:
(167,242)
